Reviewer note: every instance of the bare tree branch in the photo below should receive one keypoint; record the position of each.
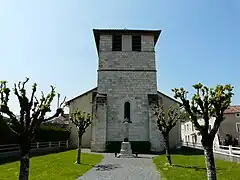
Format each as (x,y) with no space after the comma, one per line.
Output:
(212,103)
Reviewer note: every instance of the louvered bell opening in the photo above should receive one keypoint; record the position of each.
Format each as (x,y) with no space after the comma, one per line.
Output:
(117,43)
(136,43)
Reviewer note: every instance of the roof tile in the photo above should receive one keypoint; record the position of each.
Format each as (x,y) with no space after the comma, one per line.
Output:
(232,109)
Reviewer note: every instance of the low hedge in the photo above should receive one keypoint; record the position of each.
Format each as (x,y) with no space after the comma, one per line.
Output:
(51,133)
(137,146)
(46,132)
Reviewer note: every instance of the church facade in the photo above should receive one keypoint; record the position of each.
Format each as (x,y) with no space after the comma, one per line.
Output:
(126,88)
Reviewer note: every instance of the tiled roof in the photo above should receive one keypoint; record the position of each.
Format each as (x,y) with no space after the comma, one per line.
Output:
(64,119)
(232,109)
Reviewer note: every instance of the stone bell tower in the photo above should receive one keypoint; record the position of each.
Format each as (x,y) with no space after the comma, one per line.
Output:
(126,78)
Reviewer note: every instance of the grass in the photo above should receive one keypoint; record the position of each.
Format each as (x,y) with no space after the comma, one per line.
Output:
(188,167)
(60,166)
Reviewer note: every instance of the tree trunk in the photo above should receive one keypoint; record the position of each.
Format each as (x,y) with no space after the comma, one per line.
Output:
(79,149)
(207,142)
(167,150)
(210,164)
(24,160)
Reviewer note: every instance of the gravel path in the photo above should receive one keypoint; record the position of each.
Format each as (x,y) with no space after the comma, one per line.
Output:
(112,168)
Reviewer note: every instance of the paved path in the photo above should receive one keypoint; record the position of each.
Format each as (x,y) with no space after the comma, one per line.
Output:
(112,168)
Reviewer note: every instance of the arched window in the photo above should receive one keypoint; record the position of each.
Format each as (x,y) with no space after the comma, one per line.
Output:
(127,110)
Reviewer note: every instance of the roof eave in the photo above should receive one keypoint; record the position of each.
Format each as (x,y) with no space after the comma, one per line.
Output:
(170,97)
(97,32)
(91,90)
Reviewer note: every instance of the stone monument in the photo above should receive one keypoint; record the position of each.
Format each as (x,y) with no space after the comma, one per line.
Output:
(126,150)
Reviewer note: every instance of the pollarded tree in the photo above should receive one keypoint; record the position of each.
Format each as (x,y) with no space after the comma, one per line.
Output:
(165,123)
(32,114)
(206,103)
(81,120)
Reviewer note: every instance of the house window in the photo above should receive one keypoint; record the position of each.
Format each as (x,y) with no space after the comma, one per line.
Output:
(136,43)
(117,43)
(238,127)
(193,139)
(127,110)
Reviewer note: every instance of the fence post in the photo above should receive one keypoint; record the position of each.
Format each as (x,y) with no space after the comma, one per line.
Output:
(59,143)
(37,145)
(50,144)
(230,153)
(67,143)
(230,149)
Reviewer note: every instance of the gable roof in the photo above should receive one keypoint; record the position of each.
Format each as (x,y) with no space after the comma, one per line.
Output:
(232,109)
(85,93)
(169,97)
(95,89)
(64,119)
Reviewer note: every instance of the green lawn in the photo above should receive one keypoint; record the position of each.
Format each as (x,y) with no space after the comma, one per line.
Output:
(188,167)
(60,166)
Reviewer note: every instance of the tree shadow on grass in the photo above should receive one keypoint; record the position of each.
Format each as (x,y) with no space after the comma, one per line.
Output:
(16,156)
(197,168)
(188,151)
(143,157)
(106,167)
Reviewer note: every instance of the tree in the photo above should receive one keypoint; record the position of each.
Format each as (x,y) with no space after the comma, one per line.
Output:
(206,103)
(32,114)
(81,120)
(165,123)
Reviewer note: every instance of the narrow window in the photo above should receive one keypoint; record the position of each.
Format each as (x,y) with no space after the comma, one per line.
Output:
(136,43)
(238,127)
(127,110)
(117,43)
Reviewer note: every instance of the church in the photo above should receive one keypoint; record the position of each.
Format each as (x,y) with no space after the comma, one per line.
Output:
(126,88)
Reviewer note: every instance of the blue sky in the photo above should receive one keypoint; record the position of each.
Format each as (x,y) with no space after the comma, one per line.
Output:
(51,41)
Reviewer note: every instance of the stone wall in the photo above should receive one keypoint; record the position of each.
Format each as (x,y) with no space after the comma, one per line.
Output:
(155,136)
(126,59)
(127,76)
(121,87)
(123,60)
(99,130)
